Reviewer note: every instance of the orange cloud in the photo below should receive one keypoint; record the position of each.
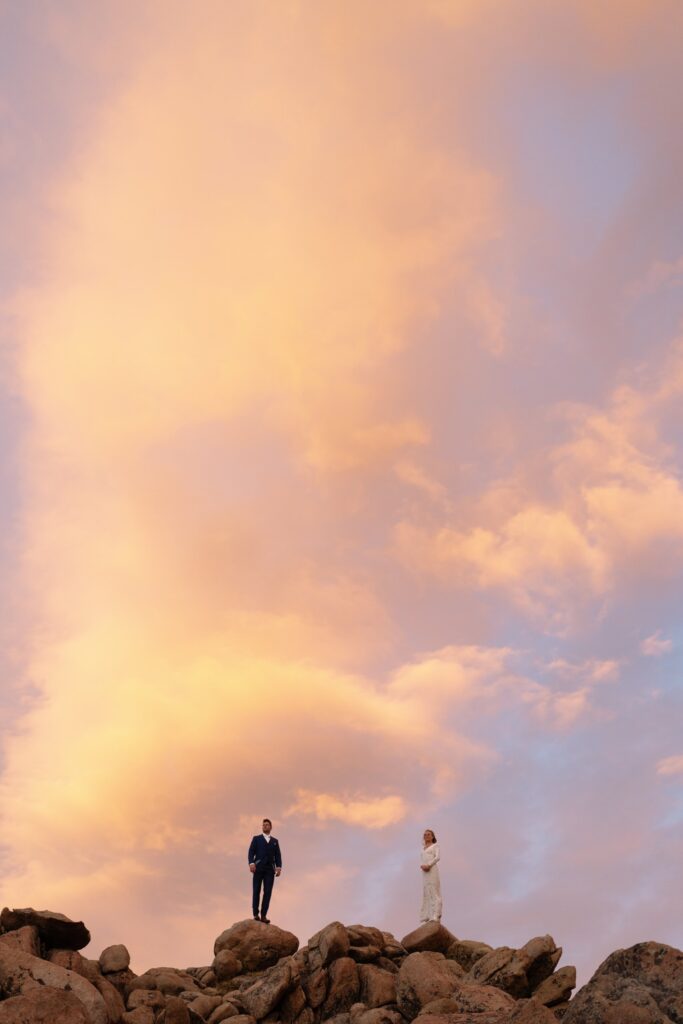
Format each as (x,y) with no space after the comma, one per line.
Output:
(615,506)
(670,765)
(368,812)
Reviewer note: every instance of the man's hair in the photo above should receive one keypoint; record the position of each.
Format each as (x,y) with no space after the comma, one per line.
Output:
(269,822)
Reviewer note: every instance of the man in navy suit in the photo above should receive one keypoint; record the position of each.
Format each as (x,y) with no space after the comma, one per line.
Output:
(265,862)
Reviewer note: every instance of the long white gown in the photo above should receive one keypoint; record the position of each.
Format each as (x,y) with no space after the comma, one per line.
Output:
(432,904)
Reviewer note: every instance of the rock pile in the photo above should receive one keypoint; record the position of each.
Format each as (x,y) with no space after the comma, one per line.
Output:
(345,975)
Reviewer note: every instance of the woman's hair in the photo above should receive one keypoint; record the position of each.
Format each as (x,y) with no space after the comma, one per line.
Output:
(433,834)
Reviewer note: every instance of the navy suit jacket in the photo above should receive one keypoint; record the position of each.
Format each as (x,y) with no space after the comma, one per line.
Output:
(263,854)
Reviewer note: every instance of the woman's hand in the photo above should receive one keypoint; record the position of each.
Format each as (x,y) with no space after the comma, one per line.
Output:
(425,867)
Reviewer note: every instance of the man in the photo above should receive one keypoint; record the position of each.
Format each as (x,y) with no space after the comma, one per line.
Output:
(265,862)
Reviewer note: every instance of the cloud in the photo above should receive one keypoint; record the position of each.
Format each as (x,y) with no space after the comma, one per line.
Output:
(368,812)
(336,504)
(655,645)
(609,507)
(670,765)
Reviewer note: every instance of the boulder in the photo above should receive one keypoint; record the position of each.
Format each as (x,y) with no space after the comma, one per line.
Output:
(466,952)
(364,935)
(557,988)
(256,944)
(176,1012)
(169,980)
(141,1015)
(377,987)
(424,977)
(474,999)
(114,958)
(204,1005)
(26,939)
(293,1004)
(330,943)
(392,947)
(54,929)
(379,1015)
(226,966)
(518,971)
(90,970)
(530,1011)
(122,980)
(464,1018)
(365,954)
(265,994)
(343,987)
(315,986)
(20,972)
(69,959)
(42,1005)
(639,985)
(540,957)
(151,998)
(222,1013)
(431,937)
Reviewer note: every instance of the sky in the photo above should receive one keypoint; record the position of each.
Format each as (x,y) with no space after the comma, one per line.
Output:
(341,369)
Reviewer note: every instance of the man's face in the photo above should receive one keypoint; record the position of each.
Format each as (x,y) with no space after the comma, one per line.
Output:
(267,827)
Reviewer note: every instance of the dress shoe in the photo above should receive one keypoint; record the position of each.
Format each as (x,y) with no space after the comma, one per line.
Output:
(266,920)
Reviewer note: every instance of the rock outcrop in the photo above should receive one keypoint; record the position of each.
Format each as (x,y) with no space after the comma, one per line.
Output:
(346,974)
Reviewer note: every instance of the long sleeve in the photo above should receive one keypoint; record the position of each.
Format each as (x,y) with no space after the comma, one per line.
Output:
(432,853)
(251,856)
(278,857)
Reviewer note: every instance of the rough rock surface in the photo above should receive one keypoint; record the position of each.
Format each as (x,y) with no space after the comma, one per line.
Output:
(431,937)
(20,972)
(352,974)
(43,1006)
(54,929)
(26,938)
(114,958)
(518,971)
(424,977)
(264,995)
(466,952)
(557,988)
(639,985)
(343,988)
(330,943)
(257,945)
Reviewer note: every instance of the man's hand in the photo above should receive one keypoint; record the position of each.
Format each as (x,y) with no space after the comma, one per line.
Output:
(252,868)
(277,872)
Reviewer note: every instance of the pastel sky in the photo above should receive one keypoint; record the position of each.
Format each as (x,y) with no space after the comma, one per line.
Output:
(341,473)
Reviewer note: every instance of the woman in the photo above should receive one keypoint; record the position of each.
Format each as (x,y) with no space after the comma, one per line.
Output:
(431,883)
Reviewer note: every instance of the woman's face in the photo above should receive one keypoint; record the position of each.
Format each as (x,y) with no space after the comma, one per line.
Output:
(428,837)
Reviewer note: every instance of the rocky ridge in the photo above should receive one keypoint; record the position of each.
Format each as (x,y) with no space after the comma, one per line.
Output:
(352,974)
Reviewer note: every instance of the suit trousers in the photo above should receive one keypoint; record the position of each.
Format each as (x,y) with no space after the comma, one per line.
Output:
(262,877)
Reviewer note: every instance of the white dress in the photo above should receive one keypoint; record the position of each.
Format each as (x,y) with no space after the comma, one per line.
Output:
(432,903)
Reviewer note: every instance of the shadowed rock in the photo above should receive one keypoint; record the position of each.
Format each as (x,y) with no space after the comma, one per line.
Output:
(639,985)
(55,930)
